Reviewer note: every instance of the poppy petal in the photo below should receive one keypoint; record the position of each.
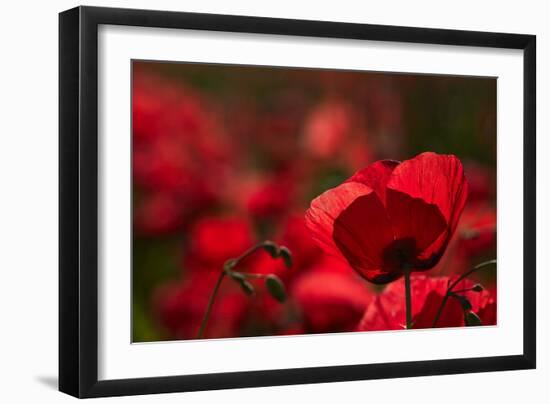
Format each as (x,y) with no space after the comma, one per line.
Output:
(324,210)
(436,179)
(413,219)
(376,176)
(387,311)
(362,231)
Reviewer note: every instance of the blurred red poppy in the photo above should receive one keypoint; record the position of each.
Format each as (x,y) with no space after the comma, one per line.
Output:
(176,138)
(474,240)
(271,198)
(156,214)
(331,301)
(297,238)
(326,128)
(387,311)
(180,307)
(391,216)
(213,240)
(477,229)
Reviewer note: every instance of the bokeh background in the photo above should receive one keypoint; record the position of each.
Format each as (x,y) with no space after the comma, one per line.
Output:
(226,156)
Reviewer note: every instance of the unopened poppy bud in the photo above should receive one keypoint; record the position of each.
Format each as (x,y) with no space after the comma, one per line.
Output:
(275,288)
(471,319)
(286,255)
(464,302)
(477,288)
(271,248)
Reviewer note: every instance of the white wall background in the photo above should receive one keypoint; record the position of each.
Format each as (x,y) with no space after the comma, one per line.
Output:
(28,202)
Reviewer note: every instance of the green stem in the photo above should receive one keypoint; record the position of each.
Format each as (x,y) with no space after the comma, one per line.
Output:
(408,302)
(249,252)
(253,276)
(206,316)
(462,290)
(227,267)
(440,310)
(451,286)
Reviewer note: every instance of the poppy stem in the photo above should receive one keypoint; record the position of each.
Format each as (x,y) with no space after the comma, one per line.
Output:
(254,276)
(452,286)
(408,303)
(206,316)
(227,269)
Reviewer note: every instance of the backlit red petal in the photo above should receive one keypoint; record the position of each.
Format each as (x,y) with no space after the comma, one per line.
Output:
(417,221)
(438,181)
(376,176)
(324,210)
(387,310)
(435,179)
(362,232)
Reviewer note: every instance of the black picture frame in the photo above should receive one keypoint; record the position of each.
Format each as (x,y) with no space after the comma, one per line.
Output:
(78,201)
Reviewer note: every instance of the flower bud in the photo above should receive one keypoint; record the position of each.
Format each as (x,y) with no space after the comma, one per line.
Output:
(271,248)
(477,288)
(471,319)
(286,255)
(275,288)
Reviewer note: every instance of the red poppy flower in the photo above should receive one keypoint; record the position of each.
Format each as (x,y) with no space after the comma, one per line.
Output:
(214,240)
(387,311)
(157,214)
(176,138)
(179,308)
(474,240)
(391,216)
(477,229)
(331,301)
(326,128)
(272,197)
(297,238)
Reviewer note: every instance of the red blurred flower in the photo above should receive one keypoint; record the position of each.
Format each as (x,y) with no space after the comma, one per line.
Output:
(175,140)
(477,229)
(264,314)
(331,301)
(297,238)
(474,239)
(214,240)
(180,307)
(387,311)
(271,198)
(175,135)
(326,128)
(157,213)
(336,132)
(391,216)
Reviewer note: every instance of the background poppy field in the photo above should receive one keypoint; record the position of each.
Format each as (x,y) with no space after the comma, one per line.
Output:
(228,156)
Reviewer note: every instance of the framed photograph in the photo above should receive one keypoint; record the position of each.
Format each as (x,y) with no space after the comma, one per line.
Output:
(251,201)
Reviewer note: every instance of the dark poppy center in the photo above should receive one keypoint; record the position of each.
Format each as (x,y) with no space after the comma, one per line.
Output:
(399,254)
